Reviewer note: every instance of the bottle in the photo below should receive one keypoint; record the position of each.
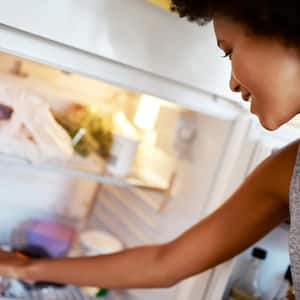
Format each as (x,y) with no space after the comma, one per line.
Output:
(247,287)
(285,291)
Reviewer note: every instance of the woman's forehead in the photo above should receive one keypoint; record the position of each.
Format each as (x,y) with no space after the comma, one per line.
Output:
(227,29)
(224,26)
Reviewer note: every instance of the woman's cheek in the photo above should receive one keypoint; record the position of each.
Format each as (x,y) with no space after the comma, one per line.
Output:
(244,74)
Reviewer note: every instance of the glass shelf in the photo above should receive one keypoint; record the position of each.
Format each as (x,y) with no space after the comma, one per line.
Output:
(86,168)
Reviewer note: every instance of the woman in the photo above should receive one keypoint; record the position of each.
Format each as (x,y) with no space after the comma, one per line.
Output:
(262,39)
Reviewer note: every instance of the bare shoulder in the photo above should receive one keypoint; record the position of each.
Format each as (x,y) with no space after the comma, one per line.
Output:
(275,173)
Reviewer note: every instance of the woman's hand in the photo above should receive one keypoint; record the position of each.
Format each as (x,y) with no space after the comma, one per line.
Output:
(12,263)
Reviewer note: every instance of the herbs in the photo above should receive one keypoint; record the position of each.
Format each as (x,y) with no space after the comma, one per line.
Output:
(97,135)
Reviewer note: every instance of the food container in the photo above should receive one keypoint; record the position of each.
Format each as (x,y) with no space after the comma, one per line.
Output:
(122,155)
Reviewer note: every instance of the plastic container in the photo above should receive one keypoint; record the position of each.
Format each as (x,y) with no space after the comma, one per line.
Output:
(122,155)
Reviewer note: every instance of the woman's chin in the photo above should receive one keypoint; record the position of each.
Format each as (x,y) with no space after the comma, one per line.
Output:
(268,124)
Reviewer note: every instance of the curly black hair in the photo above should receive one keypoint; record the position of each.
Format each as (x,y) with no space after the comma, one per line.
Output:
(272,18)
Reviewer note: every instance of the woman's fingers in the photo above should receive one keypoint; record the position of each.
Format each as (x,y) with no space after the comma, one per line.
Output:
(10,263)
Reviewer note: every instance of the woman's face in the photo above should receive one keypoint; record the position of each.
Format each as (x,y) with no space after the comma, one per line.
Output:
(264,71)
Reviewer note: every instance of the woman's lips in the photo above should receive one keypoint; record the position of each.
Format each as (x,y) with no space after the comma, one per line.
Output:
(246,97)
(249,98)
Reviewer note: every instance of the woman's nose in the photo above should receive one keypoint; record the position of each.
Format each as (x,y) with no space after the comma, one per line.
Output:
(234,85)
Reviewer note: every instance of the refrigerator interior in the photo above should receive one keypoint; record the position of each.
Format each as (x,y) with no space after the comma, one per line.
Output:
(186,148)
(60,89)
(185,167)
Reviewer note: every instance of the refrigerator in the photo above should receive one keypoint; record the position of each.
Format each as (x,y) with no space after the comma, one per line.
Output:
(113,55)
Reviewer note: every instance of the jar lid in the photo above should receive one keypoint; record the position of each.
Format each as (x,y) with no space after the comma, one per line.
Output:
(288,275)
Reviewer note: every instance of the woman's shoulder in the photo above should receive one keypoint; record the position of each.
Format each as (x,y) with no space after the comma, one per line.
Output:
(278,170)
(286,158)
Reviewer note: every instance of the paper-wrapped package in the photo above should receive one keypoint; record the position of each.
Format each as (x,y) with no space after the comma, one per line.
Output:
(29,130)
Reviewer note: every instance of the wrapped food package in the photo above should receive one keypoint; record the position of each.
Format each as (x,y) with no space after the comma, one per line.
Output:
(27,127)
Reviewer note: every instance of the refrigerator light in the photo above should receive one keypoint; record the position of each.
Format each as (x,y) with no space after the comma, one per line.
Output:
(123,127)
(147,112)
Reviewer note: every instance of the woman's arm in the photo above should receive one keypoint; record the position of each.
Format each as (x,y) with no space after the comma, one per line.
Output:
(259,205)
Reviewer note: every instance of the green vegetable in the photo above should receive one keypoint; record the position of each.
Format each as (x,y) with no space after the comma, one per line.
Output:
(98,130)
(102,293)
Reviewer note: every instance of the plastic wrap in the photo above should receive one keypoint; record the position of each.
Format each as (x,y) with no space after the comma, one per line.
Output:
(29,129)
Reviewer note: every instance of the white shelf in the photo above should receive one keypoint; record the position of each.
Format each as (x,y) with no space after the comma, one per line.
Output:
(89,169)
